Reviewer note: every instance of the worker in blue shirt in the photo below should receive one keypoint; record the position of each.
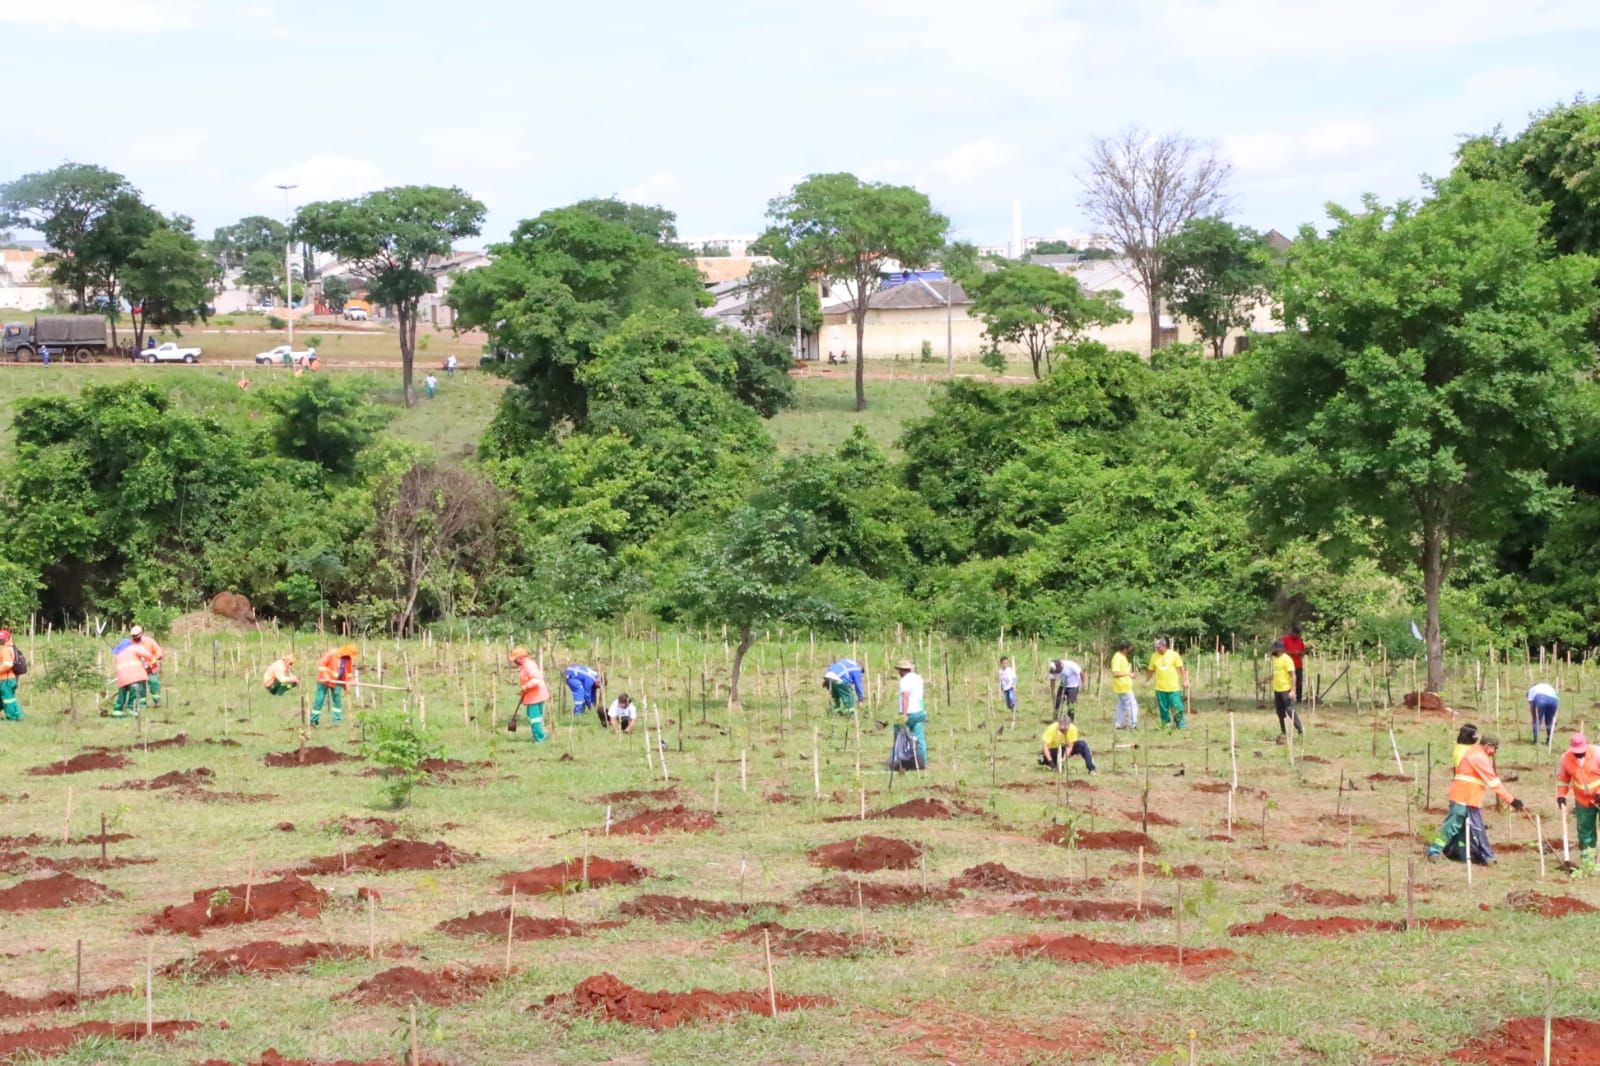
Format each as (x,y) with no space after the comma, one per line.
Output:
(583,683)
(843,682)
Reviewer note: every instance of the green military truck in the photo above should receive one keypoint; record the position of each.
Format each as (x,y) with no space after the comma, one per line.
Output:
(75,338)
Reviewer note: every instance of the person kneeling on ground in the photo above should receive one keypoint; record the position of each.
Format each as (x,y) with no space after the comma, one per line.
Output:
(280,677)
(1059,743)
(1475,775)
(622,712)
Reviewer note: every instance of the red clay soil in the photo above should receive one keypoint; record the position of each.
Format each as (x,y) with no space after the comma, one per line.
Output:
(1089,910)
(199,777)
(1520,1042)
(315,756)
(390,855)
(1155,819)
(1547,906)
(58,890)
(20,862)
(927,808)
(993,877)
(676,817)
(45,1042)
(683,909)
(1190,872)
(810,943)
(523,927)
(1279,923)
(544,880)
(1321,897)
(610,1000)
(89,760)
(1111,840)
(14,1006)
(864,854)
(260,957)
(1082,949)
(1390,777)
(1430,701)
(659,795)
(403,984)
(292,895)
(841,892)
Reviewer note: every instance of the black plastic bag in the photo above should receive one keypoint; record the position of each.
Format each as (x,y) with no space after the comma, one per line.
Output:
(903,756)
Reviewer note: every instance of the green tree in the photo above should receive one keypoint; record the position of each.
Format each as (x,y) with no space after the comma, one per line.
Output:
(169,282)
(1425,381)
(838,226)
(391,236)
(323,421)
(232,246)
(1039,309)
(263,275)
(63,205)
(1215,275)
(959,260)
(335,291)
(650,221)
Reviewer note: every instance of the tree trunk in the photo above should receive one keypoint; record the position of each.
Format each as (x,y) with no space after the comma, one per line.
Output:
(406,311)
(746,638)
(861,348)
(1432,584)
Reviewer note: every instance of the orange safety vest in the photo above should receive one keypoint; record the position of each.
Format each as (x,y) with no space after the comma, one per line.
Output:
(8,659)
(1583,775)
(1475,774)
(148,650)
(335,669)
(534,690)
(277,673)
(130,668)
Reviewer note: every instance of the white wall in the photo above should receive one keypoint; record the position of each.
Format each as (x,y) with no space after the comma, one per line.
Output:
(24,298)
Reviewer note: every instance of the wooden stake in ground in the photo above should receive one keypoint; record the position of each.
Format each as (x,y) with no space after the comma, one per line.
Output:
(511,922)
(249,877)
(1538,829)
(150,993)
(1138,898)
(861,914)
(1394,746)
(1179,913)
(772,990)
(816,762)
(1566,847)
(584,877)
(66,827)
(1411,892)
(372,924)
(743,771)
(102,840)
(77,986)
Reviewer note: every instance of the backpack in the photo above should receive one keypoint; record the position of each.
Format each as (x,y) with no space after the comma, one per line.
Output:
(19,662)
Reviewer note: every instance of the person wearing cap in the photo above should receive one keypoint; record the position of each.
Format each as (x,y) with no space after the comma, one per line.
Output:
(912,710)
(1283,690)
(8,678)
(1579,773)
(1475,775)
(1122,686)
(1542,706)
(334,674)
(622,713)
(1466,737)
(1066,681)
(132,675)
(1171,678)
(843,680)
(1060,742)
(535,693)
(280,677)
(145,646)
(584,684)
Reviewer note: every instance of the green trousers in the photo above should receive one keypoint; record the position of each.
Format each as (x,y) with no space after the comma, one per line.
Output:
(129,699)
(844,697)
(152,689)
(13,710)
(1170,704)
(278,688)
(535,713)
(323,692)
(1585,817)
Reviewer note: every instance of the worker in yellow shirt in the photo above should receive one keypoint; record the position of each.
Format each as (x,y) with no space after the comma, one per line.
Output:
(1057,743)
(1283,689)
(1171,678)
(1122,686)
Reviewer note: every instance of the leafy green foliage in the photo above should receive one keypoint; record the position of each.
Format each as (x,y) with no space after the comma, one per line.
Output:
(169,282)
(335,291)
(1215,274)
(232,246)
(324,421)
(399,746)
(1039,309)
(64,204)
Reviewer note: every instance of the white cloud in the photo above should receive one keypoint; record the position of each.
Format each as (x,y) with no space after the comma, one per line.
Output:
(974,160)
(106,16)
(325,177)
(658,190)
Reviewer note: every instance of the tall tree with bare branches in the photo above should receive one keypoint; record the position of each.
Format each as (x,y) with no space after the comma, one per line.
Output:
(1140,190)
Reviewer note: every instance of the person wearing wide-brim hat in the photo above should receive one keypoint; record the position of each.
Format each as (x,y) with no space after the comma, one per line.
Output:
(1579,774)
(913,713)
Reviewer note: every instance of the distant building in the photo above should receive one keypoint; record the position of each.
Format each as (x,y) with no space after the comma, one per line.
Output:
(721,244)
(20,289)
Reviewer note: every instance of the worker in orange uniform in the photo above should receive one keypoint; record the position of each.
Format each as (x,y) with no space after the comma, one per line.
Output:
(12,666)
(535,693)
(335,673)
(132,675)
(1475,775)
(1579,772)
(146,648)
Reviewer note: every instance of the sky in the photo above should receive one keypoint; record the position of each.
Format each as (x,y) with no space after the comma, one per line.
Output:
(713,109)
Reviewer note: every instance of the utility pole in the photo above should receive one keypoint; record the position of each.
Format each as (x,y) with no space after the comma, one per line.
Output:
(288,278)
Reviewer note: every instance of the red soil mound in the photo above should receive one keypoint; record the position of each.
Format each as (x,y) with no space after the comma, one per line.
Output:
(1189,872)
(390,855)
(13,1006)
(811,943)
(1082,949)
(1321,897)
(993,877)
(89,760)
(1547,906)
(523,927)
(841,892)
(677,817)
(659,795)
(683,909)
(613,1001)
(53,1041)
(1155,818)
(213,908)
(316,756)
(1089,910)
(18,862)
(1430,701)
(199,777)
(866,853)
(926,808)
(1113,840)
(1520,1042)
(543,880)
(260,956)
(403,984)
(58,890)
(1279,923)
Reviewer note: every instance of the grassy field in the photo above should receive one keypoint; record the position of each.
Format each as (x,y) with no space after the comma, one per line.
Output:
(825,413)
(949,979)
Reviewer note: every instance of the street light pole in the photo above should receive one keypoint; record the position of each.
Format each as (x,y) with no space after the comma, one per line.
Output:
(288,280)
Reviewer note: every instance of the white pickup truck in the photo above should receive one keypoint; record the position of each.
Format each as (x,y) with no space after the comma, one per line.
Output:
(275,357)
(168,353)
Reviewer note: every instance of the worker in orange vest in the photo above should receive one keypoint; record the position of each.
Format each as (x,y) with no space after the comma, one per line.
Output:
(1475,775)
(8,676)
(1579,772)
(132,676)
(334,674)
(146,648)
(535,693)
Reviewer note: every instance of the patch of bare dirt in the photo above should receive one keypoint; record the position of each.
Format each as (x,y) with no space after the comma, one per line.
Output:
(864,854)
(390,855)
(213,908)
(608,999)
(683,909)
(844,892)
(57,890)
(993,877)
(83,763)
(544,880)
